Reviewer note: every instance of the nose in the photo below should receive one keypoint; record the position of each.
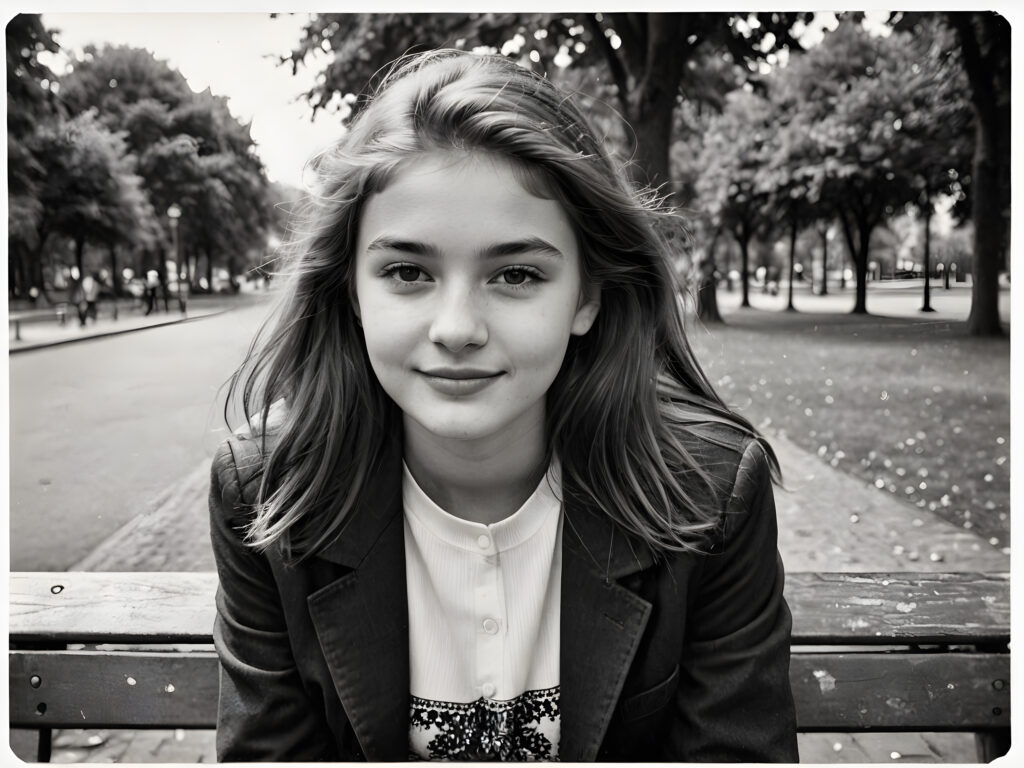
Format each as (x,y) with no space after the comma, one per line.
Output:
(458,320)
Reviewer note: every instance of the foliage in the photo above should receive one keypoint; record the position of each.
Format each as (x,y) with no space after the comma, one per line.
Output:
(646,60)
(737,145)
(191,151)
(867,127)
(30,101)
(91,190)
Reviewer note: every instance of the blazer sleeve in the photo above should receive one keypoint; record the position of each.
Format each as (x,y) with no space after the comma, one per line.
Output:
(734,702)
(263,712)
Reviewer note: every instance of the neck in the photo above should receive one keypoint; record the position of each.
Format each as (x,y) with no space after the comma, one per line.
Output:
(483,480)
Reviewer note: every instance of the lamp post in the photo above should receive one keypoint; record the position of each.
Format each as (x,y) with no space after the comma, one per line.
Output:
(173,214)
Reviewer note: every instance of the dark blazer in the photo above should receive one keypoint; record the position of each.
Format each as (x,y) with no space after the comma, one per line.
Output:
(683,658)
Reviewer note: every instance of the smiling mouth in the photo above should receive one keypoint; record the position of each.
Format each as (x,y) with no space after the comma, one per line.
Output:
(459,382)
(460,374)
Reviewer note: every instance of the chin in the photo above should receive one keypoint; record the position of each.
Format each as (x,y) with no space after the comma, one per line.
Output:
(458,431)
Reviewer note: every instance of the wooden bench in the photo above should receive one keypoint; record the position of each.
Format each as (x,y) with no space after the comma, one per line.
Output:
(871,652)
(57,312)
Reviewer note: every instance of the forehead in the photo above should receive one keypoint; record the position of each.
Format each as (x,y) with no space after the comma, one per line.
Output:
(445,196)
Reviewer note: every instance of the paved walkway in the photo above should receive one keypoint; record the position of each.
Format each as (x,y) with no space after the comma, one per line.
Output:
(41,333)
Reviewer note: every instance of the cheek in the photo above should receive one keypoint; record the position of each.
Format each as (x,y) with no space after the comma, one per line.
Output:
(385,331)
(539,340)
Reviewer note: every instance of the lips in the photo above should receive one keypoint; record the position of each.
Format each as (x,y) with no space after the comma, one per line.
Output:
(460,374)
(459,382)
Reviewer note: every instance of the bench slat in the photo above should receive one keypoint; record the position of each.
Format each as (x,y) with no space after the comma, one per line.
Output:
(107,607)
(833,692)
(91,689)
(923,608)
(828,609)
(901,691)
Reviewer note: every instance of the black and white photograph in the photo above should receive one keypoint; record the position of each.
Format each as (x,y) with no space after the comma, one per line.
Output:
(395,384)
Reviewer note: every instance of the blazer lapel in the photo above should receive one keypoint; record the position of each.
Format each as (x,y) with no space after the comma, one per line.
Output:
(362,618)
(601,626)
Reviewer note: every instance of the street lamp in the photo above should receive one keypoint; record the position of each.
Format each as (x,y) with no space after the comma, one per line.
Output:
(173,214)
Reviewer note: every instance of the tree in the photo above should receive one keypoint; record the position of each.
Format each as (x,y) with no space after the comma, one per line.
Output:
(91,192)
(937,135)
(730,187)
(191,152)
(785,178)
(30,103)
(650,59)
(856,93)
(985,43)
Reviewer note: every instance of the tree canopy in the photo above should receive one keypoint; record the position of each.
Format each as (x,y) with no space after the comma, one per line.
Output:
(648,61)
(126,139)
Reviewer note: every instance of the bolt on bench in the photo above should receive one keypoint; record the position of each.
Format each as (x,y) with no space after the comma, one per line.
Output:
(871,652)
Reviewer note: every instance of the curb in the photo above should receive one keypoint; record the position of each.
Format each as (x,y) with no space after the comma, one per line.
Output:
(117,332)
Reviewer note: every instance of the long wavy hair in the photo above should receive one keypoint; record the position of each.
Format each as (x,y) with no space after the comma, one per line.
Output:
(628,391)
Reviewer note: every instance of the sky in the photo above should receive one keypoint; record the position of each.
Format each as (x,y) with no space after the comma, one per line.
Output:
(230,53)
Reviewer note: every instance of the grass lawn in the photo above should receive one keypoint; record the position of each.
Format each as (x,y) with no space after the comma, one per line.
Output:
(916,408)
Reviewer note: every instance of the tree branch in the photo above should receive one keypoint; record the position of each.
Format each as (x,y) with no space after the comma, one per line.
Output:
(611,56)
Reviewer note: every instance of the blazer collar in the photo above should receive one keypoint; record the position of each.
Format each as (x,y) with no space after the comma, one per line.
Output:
(362,618)
(601,625)
(375,509)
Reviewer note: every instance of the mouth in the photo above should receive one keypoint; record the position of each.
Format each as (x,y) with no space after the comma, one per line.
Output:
(459,382)
(460,374)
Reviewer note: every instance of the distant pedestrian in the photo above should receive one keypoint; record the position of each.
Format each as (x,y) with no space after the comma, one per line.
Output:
(152,286)
(183,293)
(486,504)
(87,295)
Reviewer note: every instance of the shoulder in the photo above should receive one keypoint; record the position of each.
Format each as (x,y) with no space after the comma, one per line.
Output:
(731,456)
(738,468)
(238,462)
(237,465)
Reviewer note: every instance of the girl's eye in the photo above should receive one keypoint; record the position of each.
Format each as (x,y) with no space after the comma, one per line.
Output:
(404,273)
(407,274)
(519,276)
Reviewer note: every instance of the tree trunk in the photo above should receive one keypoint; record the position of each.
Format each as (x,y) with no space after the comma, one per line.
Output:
(860,304)
(115,276)
(744,242)
(707,290)
(792,262)
(653,101)
(209,269)
(80,255)
(651,122)
(824,262)
(859,244)
(985,47)
(927,306)
(989,235)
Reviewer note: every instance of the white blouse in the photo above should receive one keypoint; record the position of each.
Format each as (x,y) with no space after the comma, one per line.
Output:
(484,604)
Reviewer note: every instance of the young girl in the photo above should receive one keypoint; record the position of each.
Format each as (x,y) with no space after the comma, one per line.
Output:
(487,505)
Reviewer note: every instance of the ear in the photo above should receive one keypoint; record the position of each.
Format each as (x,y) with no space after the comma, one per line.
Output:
(586,312)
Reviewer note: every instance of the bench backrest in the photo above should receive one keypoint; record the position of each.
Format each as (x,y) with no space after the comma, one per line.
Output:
(902,651)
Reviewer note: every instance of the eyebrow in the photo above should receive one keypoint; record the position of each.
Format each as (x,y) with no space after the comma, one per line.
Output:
(495,250)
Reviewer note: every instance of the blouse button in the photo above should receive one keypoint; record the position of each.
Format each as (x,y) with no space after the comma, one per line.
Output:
(489,690)
(490,626)
(483,542)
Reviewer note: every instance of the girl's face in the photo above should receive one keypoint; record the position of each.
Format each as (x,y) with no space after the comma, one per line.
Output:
(468,288)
